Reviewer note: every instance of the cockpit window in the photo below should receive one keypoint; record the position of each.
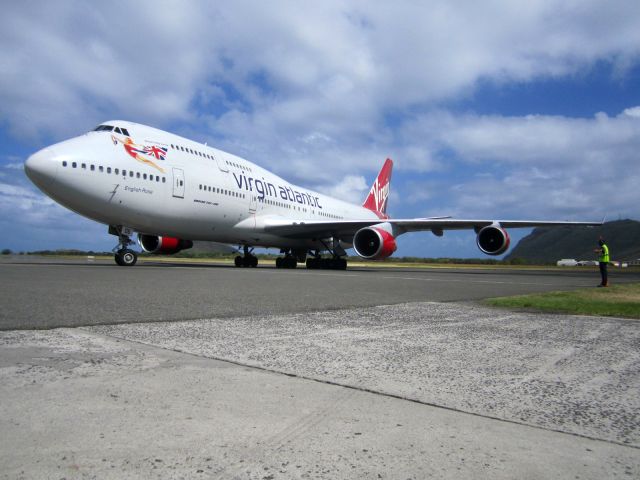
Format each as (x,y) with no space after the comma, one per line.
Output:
(109,128)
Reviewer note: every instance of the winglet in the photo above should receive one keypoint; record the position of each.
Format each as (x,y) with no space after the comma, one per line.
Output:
(379,193)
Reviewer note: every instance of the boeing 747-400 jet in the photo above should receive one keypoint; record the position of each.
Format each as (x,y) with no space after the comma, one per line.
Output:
(171,191)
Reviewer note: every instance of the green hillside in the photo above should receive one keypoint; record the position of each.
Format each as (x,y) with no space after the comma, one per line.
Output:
(552,244)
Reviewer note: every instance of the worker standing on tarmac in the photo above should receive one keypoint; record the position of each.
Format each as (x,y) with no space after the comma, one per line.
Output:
(603,262)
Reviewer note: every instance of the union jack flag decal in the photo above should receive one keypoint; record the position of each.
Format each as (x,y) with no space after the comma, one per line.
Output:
(158,152)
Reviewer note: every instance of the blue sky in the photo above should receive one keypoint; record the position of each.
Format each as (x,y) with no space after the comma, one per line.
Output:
(490,110)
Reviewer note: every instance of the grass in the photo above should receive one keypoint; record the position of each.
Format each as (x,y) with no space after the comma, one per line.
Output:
(615,301)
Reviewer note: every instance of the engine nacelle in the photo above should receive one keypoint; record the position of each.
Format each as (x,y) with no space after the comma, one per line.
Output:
(374,243)
(493,240)
(163,245)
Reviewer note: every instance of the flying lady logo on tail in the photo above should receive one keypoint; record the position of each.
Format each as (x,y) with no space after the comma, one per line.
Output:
(379,193)
(144,154)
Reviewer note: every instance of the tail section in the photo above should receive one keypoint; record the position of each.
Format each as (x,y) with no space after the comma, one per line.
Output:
(379,193)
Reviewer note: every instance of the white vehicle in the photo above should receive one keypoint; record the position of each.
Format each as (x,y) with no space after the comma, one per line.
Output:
(587,263)
(567,262)
(171,191)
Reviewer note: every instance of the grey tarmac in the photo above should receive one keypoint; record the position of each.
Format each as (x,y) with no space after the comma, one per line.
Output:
(46,293)
(365,389)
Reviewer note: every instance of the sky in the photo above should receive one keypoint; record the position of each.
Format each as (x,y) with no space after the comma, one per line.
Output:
(492,110)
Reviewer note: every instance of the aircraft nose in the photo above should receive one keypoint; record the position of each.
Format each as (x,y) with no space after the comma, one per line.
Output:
(41,167)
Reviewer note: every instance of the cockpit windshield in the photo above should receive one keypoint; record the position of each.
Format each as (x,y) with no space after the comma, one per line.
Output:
(111,128)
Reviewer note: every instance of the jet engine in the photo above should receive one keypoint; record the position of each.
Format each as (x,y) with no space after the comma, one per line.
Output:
(163,245)
(374,243)
(493,240)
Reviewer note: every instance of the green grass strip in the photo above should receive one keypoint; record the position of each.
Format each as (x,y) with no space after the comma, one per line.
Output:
(615,301)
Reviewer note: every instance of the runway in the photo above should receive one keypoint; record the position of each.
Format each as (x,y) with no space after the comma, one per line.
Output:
(45,293)
(264,373)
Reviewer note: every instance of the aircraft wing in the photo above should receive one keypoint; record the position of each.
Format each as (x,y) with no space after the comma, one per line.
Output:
(344,228)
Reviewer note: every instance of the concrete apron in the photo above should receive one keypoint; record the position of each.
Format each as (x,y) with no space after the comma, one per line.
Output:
(81,403)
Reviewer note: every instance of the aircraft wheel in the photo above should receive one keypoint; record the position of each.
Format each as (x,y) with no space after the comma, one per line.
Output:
(238,261)
(253,263)
(291,262)
(126,258)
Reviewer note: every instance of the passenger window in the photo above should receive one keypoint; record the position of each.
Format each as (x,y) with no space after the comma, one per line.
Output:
(144,176)
(64,163)
(116,171)
(93,168)
(181,183)
(84,165)
(137,174)
(108,169)
(157,178)
(164,179)
(130,173)
(124,173)
(101,168)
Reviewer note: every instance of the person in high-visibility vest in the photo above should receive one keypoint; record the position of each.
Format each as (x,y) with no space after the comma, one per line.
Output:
(603,261)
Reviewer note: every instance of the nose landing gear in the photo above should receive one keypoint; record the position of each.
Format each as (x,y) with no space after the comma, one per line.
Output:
(124,256)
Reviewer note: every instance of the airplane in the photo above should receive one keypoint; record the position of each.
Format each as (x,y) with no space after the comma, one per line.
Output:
(172,191)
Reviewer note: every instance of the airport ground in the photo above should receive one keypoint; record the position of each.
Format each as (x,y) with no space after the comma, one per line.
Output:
(193,370)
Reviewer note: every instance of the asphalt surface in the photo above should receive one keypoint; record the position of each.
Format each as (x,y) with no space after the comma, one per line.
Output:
(267,374)
(45,293)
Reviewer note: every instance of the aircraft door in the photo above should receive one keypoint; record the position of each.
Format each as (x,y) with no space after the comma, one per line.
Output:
(253,204)
(178,183)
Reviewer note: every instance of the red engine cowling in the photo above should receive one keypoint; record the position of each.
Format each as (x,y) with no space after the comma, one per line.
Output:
(374,243)
(163,245)
(493,240)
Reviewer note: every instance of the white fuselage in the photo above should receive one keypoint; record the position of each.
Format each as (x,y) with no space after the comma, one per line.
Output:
(163,184)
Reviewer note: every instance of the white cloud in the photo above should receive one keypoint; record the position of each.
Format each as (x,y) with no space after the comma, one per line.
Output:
(545,140)
(331,67)
(352,188)
(550,165)
(632,112)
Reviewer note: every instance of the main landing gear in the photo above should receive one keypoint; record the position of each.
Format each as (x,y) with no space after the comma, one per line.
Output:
(291,258)
(330,263)
(288,261)
(123,255)
(248,260)
(335,262)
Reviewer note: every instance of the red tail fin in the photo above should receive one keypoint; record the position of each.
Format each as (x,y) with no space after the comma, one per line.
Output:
(379,193)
